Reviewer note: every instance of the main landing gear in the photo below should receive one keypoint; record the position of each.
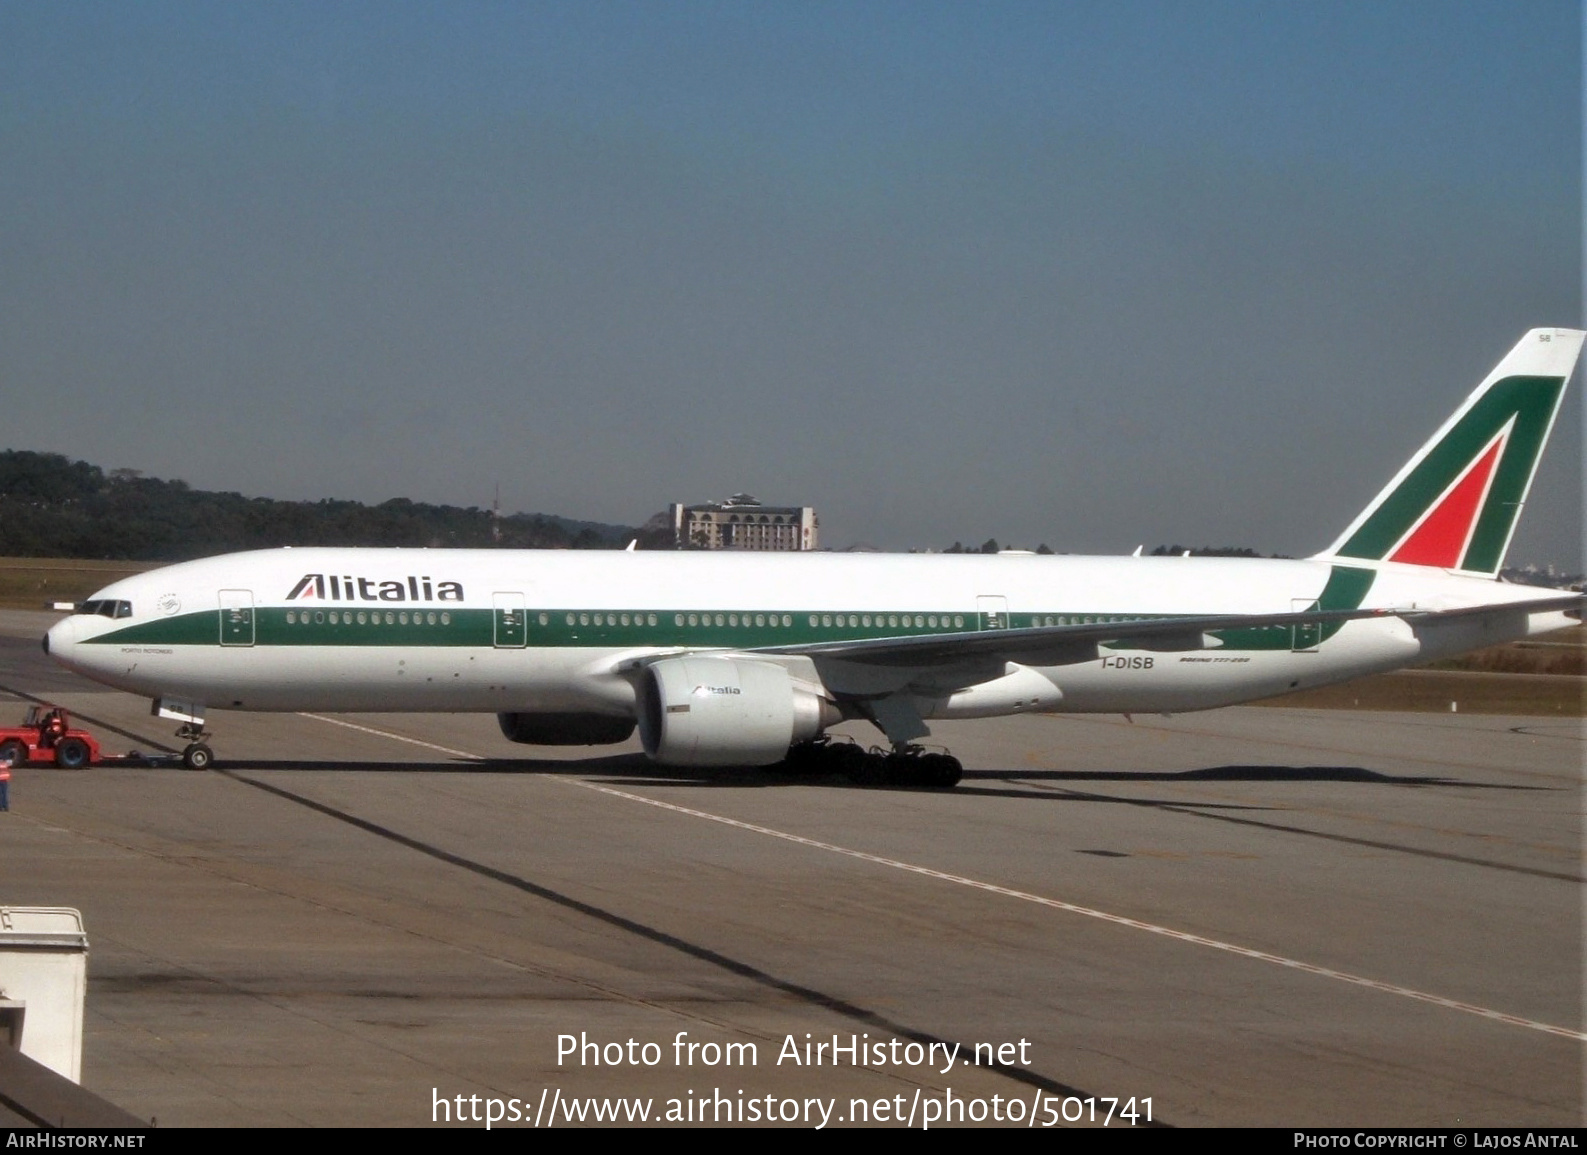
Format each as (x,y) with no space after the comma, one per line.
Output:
(905,765)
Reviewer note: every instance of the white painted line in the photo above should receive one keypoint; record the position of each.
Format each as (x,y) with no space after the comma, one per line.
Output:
(1024,896)
(1102,915)
(393,737)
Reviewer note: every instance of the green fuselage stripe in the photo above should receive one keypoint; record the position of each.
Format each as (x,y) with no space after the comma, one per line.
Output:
(608,629)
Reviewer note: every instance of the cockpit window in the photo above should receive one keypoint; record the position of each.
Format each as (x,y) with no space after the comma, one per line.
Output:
(106,608)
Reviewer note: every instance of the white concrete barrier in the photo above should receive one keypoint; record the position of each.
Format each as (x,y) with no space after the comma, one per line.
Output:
(43,980)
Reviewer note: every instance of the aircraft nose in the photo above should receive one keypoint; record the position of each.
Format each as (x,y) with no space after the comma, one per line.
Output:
(60,637)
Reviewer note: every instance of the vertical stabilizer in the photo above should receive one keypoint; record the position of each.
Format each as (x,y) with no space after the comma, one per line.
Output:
(1455,504)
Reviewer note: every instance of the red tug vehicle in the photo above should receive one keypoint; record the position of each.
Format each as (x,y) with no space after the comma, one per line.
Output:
(46,737)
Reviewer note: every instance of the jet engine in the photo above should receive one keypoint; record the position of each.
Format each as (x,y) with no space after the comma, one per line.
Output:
(726,712)
(565,729)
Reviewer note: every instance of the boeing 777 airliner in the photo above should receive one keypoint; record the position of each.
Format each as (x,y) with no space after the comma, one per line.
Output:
(747,659)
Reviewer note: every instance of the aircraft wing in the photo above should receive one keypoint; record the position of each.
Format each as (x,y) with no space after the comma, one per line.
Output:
(1060,645)
(1069,644)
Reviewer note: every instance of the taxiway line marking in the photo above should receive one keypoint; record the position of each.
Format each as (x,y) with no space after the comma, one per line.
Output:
(1025,896)
(1101,915)
(393,737)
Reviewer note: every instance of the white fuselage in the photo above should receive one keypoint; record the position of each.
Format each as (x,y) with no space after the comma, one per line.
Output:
(498,630)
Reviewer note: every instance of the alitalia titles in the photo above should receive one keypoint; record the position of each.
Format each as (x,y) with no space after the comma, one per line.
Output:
(348,588)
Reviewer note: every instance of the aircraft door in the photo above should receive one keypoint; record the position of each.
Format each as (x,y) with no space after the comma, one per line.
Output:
(236,618)
(991,612)
(1305,638)
(511,621)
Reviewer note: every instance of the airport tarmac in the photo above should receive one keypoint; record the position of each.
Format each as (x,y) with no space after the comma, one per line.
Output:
(1249,916)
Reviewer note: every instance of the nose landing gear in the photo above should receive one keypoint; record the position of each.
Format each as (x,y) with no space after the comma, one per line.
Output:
(196,755)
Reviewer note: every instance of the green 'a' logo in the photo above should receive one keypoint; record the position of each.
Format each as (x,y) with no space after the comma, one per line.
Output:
(1455,505)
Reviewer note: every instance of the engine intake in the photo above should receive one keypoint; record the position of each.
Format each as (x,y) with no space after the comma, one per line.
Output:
(726,712)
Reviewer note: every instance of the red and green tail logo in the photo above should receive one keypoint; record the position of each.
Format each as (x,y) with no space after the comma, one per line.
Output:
(1455,504)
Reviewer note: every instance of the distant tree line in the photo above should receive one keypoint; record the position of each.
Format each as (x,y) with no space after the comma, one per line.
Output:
(989,546)
(53,507)
(1207,551)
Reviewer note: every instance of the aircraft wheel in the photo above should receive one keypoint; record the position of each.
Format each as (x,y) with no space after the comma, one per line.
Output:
(867,768)
(847,759)
(198,756)
(14,752)
(941,770)
(71,754)
(804,759)
(899,769)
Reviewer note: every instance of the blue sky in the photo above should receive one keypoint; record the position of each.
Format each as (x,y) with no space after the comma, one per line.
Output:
(1081,274)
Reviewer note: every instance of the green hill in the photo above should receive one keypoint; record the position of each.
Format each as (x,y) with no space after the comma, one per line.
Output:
(53,507)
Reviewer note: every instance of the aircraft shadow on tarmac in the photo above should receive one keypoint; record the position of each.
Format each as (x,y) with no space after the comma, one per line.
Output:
(635,771)
(1250,773)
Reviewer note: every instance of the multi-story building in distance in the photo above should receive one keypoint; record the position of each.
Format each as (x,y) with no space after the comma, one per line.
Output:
(741,522)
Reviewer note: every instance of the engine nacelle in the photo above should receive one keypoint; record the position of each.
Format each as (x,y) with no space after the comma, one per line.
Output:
(726,712)
(565,729)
